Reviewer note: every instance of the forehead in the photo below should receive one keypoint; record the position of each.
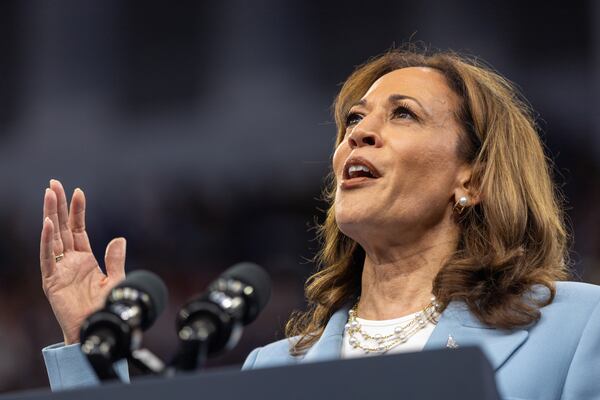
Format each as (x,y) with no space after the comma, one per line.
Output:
(426,84)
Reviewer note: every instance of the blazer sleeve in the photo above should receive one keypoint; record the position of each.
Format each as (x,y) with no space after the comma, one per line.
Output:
(68,368)
(583,377)
(251,359)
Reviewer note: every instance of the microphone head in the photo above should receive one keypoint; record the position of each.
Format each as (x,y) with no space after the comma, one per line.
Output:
(153,293)
(260,282)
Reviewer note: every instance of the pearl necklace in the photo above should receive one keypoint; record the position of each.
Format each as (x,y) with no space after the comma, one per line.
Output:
(360,339)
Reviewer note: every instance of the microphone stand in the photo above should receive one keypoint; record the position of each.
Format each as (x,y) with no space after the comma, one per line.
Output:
(147,362)
(99,353)
(194,344)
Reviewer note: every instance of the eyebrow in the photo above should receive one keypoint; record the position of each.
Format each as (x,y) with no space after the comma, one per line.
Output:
(394,98)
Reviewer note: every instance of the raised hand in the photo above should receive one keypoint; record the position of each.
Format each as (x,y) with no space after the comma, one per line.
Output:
(71,277)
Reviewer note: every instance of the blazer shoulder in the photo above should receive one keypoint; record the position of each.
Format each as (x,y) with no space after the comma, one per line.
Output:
(577,292)
(573,301)
(272,355)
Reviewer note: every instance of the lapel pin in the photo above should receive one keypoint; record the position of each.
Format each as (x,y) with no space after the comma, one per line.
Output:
(451,343)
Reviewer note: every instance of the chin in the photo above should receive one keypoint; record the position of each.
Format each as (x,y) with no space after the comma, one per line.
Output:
(352,225)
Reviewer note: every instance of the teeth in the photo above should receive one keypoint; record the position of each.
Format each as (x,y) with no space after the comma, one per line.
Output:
(357,168)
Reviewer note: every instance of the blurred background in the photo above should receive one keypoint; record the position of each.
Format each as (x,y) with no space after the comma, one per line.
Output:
(201,131)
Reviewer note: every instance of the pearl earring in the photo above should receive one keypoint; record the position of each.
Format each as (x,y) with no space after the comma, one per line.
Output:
(461,204)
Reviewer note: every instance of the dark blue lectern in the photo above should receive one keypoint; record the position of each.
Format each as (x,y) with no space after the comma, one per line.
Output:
(449,374)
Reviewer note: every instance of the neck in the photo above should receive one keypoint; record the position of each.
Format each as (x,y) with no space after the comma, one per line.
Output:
(400,281)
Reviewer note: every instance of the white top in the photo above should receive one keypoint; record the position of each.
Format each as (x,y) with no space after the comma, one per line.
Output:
(386,327)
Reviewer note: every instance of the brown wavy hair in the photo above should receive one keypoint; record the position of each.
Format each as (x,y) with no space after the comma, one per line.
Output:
(513,239)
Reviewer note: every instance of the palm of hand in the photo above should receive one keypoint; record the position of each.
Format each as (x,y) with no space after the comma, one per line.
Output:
(77,289)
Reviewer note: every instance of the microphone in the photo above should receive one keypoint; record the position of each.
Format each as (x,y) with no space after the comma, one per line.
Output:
(115,331)
(214,321)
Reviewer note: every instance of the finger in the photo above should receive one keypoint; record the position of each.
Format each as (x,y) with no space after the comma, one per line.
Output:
(51,212)
(114,258)
(81,242)
(63,214)
(47,260)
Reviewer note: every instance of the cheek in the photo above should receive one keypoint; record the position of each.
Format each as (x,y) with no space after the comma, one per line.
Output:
(339,157)
(427,170)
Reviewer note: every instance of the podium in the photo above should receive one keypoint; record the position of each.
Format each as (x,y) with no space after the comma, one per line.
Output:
(446,374)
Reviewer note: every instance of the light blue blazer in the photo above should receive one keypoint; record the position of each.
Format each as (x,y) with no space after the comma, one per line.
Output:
(556,358)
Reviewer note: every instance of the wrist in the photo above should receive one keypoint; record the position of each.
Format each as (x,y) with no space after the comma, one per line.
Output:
(70,338)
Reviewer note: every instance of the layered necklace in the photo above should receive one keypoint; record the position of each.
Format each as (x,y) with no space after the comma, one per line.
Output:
(360,339)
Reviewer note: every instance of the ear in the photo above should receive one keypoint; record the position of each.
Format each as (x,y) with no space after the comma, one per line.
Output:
(464,186)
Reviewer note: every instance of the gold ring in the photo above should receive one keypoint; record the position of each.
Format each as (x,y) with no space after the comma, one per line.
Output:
(59,257)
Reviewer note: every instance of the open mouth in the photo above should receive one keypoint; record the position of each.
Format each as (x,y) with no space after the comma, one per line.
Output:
(359,168)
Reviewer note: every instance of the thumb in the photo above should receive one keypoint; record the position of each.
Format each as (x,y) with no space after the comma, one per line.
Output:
(114,259)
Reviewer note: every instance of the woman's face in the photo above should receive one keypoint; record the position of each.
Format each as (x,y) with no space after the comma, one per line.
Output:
(397,168)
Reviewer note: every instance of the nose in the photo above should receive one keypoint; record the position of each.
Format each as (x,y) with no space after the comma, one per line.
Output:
(362,136)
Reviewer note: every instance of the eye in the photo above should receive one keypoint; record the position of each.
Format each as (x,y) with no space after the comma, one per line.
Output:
(353,118)
(404,112)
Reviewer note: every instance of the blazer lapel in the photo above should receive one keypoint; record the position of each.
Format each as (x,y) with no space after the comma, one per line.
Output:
(458,327)
(329,345)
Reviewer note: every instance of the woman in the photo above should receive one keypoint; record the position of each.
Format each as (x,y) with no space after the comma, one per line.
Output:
(440,187)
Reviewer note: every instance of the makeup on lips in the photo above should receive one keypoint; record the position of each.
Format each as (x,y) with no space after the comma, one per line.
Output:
(358,172)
